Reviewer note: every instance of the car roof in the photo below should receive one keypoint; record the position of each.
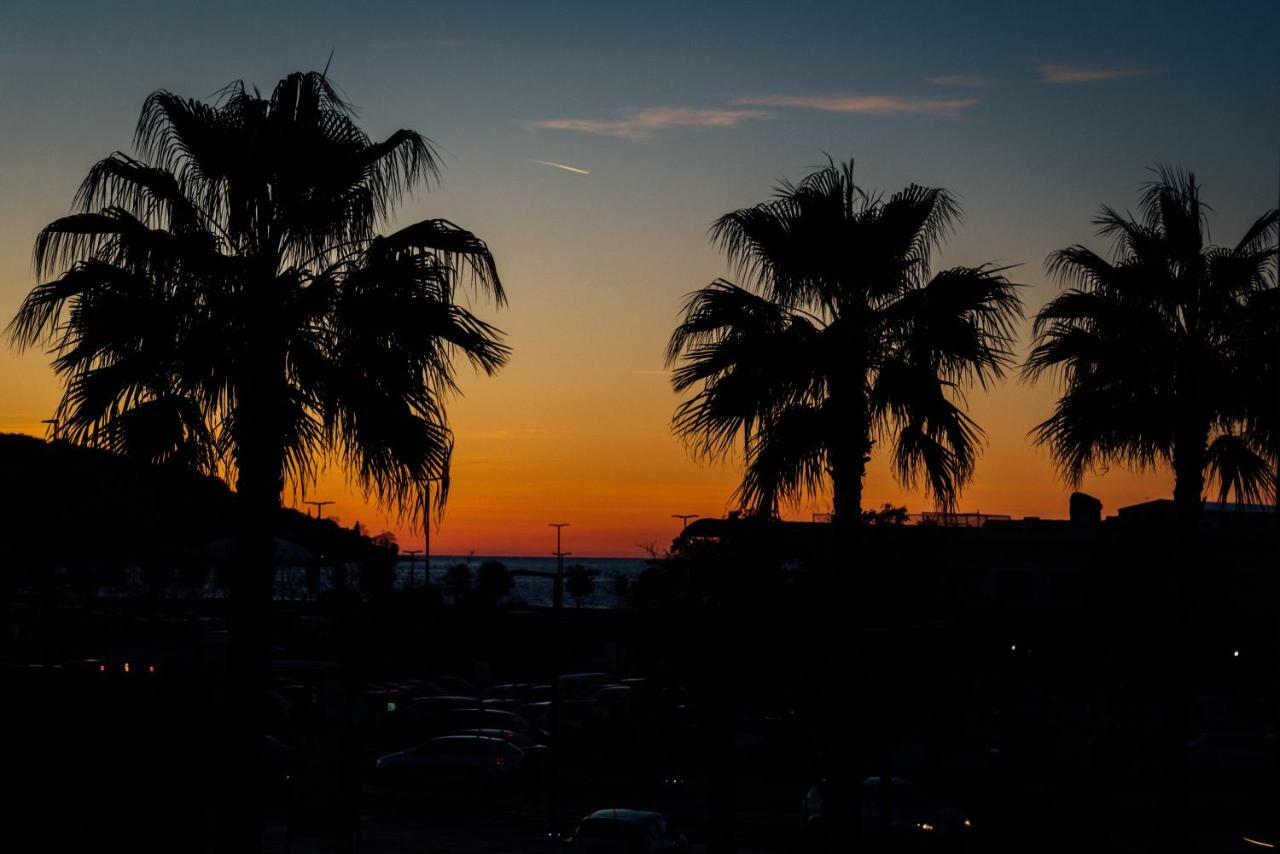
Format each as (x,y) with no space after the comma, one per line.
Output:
(636,816)
(894,781)
(457,736)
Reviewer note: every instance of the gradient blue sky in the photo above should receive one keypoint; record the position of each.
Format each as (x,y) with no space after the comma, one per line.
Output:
(1034,114)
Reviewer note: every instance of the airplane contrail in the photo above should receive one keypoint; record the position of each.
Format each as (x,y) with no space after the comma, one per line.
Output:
(574,169)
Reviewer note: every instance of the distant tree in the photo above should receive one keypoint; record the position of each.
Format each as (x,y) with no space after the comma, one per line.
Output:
(1085,508)
(842,334)
(457,581)
(493,583)
(224,301)
(579,583)
(1147,347)
(378,565)
(621,587)
(887,515)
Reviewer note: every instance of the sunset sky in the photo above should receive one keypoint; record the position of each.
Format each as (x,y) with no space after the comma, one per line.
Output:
(592,145)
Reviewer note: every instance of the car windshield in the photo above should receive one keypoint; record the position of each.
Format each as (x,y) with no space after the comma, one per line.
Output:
(612,829)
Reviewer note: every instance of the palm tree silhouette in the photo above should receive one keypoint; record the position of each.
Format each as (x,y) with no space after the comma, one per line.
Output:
(841,338)
(1260,352)
(224,299)
(1153,349)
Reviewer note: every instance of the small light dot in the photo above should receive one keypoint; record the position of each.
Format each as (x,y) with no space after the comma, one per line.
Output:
(1235,653)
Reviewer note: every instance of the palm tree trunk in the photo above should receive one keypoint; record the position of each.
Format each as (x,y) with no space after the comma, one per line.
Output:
(259,460)
(846,490)
(849,448)
(1183,549)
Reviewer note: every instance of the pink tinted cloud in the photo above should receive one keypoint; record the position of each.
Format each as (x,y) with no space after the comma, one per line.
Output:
(1056,73)
(871,104)
(642,123)
(967,81)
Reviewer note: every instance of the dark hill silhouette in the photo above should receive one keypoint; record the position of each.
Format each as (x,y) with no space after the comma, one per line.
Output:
(67,504)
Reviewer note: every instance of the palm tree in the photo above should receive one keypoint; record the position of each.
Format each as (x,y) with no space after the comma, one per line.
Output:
(1152,349)
(223,299)
(840,339)
(1260,351)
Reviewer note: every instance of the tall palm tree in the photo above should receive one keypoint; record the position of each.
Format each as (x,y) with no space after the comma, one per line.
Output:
(1154,349)
(223,298)
(840,338)
(1149,348)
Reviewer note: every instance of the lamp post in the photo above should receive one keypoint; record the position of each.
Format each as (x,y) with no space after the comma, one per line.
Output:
(557,602)
(319,505)
(557,594)
(53,428)
(684,519)
(411,553)
(426,534)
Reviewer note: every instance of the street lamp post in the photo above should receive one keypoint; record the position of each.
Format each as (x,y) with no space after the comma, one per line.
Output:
(319,505)
(411,553)
(557,602)
(557,594)
(53,428)
(684,519)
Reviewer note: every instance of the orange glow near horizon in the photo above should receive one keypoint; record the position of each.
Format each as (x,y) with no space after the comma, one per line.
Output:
(594,449)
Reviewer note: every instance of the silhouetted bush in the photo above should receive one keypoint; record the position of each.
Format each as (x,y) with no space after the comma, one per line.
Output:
(579,583)
(378,568)
(886,514)
(493,584)
(457,581)
(1085,508)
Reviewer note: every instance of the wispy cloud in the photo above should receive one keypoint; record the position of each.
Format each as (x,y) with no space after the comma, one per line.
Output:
(873,104)
(1055,73)
(566,167)
(641,123)
(966,81)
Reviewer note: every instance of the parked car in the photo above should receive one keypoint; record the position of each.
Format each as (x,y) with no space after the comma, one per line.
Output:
(512,691)
(836,816)
(1231,757)
(537,755)
(625,831)
(580,686)
(453,759)
(484,718)
(521,740)
(276,761)
(575,719)
(435,686)
(431,712)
